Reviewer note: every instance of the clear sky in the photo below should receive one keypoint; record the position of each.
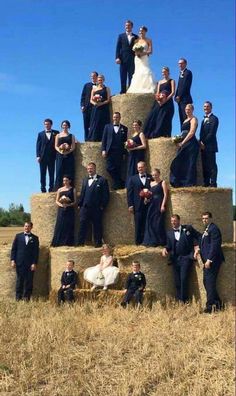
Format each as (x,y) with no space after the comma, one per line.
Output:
(49,48)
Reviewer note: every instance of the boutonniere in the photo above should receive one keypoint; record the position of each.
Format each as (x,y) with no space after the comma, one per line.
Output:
(98,185)
(205,232)
(30,239)
(140,278)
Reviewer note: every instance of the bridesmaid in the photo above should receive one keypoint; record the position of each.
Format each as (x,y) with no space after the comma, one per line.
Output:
(183,169)
(64,228)
(100,115)
(136,147)
(155,234)
(65,146)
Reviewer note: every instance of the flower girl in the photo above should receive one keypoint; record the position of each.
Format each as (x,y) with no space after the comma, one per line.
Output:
(103,274)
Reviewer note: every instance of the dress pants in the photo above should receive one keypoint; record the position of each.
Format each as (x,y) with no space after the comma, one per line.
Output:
(94,216)
(114,167)
(140,221)
(181,267)
(182,114)
(65,295)
(86,117)
(44,165)
(136,293)
(126,69)
(209,281)
(24,284)
(209,167)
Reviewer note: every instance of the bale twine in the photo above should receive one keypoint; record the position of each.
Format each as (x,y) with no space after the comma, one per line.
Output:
(7,273)
(41,276)
(132,106)
(118,223)
(190,202)
(43,215)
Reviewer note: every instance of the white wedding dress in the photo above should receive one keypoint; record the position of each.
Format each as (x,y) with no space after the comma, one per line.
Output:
(143,80)
(103,274)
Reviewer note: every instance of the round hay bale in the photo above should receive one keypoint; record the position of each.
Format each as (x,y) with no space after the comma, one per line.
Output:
(43,215)
(7,273)
(191,202)
(226,277)
(132,106)
(41,276)
(83,256)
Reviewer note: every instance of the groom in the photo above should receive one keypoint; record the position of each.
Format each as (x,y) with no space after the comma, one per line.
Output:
(125,55)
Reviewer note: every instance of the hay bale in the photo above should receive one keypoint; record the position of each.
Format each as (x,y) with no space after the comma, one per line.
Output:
(41,276)
(43,215)
(160,154)
(190,202)
(226,277)
(132,106)
(7,274)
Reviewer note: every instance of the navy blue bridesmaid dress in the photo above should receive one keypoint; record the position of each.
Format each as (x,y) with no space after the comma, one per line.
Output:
(65,223)
(155,234)
(65,163)
(100,116)
(183,169)
(134,156)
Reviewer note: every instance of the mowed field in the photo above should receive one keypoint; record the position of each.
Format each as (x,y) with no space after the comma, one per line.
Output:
(7,233)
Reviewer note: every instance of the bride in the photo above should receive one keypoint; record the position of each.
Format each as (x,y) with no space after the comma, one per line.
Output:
(143,80)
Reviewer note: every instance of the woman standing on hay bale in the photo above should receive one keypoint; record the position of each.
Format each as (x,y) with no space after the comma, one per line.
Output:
(65,146)
(183,169)
(136,147)
(103,274)
(64,228)
(155,234)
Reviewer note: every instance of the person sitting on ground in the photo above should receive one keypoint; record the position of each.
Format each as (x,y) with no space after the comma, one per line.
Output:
(135,285)
(104,273)
(68,283)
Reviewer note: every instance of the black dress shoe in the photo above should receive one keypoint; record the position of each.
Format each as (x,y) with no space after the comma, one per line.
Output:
(207,310)
(43,190)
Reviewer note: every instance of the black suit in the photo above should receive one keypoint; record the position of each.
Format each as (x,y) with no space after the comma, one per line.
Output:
(208,131)
(181,257)
(126,55)
(135,284)
(113,143)
(183,92)
(140,209)
(67,278)
(45,149)
(210,249)
(92,202)
(24,256)
(85,103)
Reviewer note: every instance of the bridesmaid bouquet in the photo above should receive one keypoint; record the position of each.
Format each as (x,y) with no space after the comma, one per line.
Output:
(129,144)
(64,199)
(64,148)
(177,139)
(97,98)
(145,193)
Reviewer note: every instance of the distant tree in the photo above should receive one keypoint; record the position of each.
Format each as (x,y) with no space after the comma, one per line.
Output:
(14,216)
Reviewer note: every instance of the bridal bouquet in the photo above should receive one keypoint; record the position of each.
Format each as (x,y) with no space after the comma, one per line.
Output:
(64,148)
(64,199)
(177,139)
(145,193)
(97,98)
(138,49)
(129,144)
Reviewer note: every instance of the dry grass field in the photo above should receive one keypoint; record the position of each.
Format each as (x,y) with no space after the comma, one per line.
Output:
(7,233)
(105,351)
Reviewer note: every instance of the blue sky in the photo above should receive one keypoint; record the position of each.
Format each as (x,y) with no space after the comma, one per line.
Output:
(49,47)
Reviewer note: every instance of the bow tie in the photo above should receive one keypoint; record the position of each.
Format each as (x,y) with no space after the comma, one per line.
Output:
(48,131)
(27,234)
(116,125)
(90,177)
(142,176)
(206,116)
(177,230)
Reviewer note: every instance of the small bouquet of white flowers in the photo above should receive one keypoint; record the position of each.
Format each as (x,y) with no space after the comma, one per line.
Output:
(177,139)
(64,148)
(138,49)
(100,276)
(64,199)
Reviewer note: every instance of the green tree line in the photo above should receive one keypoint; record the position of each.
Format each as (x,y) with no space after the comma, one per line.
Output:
(14,216)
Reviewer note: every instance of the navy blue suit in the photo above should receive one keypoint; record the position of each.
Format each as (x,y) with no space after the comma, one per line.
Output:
(126,55)
(85,103)
(183,91)
(135,284)
(181,257)
(208,131)
(45,149)
(24,256)
(67,278)
(92,202)
(210,249)
(113,143)
(140,209)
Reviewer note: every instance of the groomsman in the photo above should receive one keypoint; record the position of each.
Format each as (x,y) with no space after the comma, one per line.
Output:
(212,258)
(182,95)
(113,149)
(136,203)
(46,154)
(182,242)
(86,106)
(209,147)
(93,200)
(24,258)
(125,55)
